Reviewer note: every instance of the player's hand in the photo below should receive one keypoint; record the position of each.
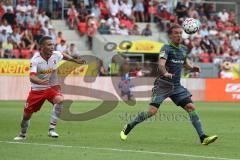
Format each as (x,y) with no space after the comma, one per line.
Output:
(44,81)
(168,75)
(196,69)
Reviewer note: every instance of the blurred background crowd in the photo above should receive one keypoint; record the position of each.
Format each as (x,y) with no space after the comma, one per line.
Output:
(24,22)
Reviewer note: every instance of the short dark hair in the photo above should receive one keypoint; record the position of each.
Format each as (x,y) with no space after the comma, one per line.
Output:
(43,39)
(172,27)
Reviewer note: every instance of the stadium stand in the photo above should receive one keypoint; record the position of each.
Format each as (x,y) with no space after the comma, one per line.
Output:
(23,24)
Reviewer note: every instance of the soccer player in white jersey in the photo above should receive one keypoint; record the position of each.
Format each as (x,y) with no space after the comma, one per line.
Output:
(43,77)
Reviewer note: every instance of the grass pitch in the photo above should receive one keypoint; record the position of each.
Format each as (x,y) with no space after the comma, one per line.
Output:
(168,136)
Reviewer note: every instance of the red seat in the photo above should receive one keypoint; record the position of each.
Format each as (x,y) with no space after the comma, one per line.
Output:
(16,52)
(26,53)
(152,10)
(82,27)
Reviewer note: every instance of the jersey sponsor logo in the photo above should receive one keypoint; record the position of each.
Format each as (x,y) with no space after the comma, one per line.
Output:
(231,87)
(177,61)
(46,71)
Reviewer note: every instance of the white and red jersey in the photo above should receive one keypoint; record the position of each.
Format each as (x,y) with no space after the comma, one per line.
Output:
(45,69)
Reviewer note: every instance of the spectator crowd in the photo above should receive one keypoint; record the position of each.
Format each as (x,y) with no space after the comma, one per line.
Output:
(217,41)
(21,28)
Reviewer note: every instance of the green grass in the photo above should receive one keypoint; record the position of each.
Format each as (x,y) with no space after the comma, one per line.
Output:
(169,132)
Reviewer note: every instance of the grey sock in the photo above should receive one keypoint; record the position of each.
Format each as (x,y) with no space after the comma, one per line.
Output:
(55,115)
(24,126)
(140,118)
(196,123)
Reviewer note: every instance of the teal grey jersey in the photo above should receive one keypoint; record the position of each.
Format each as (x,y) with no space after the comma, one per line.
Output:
(176,57)
(165,87)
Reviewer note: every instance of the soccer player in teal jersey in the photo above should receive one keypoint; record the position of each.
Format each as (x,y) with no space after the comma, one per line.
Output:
(172,59)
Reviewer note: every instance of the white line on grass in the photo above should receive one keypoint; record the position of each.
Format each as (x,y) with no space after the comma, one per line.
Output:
(120,150)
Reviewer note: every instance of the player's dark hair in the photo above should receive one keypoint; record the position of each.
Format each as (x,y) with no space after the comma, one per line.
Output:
(43,39)
(171,28)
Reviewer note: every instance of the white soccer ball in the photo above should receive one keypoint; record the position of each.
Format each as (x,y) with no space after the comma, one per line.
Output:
(191,25)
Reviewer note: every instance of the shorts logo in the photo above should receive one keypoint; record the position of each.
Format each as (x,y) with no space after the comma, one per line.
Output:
(26,105)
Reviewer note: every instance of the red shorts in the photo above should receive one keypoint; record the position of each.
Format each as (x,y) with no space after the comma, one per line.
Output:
(36,99)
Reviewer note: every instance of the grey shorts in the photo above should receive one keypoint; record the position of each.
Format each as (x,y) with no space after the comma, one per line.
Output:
(163,89)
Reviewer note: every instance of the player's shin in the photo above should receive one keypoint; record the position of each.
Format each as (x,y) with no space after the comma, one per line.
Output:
(55,115)
(140,118)
(196,122)
(24,126)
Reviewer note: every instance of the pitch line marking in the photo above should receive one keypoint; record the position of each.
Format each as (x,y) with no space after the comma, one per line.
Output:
(120,150)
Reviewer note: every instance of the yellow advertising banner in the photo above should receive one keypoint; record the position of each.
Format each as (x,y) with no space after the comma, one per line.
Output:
(236,71)
(17,67)
(14,67)
(143,46)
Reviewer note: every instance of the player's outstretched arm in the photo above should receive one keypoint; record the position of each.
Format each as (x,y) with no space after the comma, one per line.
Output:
(191,66)
(70,58)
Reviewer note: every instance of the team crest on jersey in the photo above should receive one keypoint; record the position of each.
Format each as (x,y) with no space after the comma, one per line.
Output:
(54,61)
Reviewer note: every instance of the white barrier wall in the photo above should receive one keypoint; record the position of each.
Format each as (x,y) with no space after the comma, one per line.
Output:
(103,88)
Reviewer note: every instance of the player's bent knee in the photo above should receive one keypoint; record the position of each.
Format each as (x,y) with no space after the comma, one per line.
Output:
(183,103)
(190,107)
(153,110)
(156,105)
(58,99)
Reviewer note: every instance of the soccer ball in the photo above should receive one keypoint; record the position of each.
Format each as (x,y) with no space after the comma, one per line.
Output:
(191,25)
